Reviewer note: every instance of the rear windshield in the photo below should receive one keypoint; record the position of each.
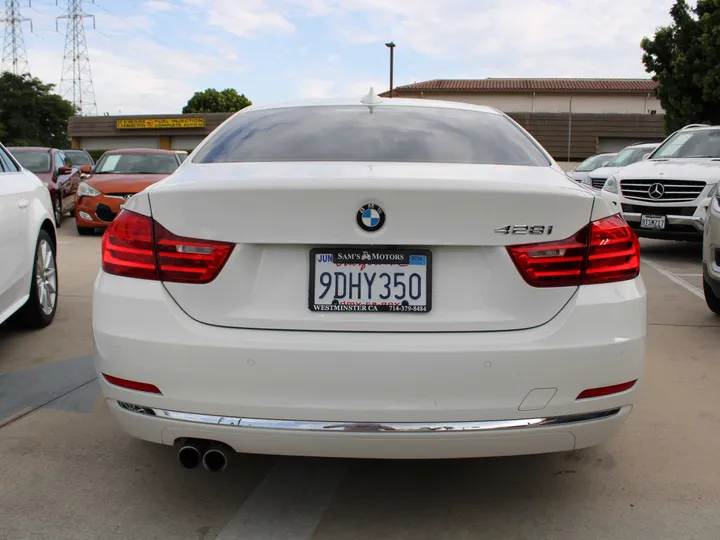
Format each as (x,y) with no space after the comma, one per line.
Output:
(34,161)
(359,133)
(130,163)
(78,159)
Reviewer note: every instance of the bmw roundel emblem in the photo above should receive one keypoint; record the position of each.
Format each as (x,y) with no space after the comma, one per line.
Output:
(371,217)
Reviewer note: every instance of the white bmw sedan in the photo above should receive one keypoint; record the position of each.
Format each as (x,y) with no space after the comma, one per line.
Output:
(380,279)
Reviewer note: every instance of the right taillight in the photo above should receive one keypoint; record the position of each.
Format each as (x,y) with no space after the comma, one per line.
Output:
(137,246)
(604,251)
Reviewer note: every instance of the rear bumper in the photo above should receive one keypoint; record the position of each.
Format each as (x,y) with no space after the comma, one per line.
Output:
(386,441)
(366,381)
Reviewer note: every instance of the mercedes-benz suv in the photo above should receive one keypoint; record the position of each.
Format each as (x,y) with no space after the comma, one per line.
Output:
(667,195)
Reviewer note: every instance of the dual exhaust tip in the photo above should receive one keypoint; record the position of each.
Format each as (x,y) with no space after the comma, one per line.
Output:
(214,456)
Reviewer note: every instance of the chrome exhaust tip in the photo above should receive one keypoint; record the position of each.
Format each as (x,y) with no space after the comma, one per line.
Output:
(189,456)
(215,459)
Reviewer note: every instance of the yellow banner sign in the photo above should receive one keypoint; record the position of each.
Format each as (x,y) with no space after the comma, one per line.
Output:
(161,123)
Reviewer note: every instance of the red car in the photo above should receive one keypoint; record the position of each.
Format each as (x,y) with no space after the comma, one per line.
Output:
(54,168)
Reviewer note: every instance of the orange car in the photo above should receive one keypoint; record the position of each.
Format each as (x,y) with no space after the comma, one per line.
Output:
(117,176)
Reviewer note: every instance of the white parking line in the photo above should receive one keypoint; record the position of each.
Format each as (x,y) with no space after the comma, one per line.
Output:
(674,277)
(688,275)
(289,503)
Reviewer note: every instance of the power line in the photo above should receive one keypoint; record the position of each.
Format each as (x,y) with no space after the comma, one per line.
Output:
(14,57)
(76,81)
(137,26)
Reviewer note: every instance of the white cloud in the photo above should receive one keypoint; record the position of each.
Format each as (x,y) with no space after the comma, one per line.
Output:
(157,5)
(518,37)
(162,81)
(248,18)
(314,88)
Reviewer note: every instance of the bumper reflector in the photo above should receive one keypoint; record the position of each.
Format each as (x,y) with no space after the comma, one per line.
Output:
(132,385)
(606,390)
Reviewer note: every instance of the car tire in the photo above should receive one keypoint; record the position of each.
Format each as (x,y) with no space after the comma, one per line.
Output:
(57,210)
(711,298)
(39,310)
(85,231)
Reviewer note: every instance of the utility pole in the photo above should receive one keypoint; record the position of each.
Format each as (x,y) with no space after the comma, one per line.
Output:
(391,46)
(76,81)
(569,130)
(14,58)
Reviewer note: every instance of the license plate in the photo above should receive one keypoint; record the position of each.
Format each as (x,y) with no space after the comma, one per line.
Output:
(653,222)
(370,280)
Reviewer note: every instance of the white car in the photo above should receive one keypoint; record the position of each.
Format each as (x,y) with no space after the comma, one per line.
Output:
(627,156)
(382,279)
(28,272)
(581,172)
(667,195)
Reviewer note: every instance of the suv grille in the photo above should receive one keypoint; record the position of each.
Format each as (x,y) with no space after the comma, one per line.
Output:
(659,210)
(662,190)
(598,183)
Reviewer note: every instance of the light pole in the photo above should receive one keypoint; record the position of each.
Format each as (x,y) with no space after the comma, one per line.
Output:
(391,46)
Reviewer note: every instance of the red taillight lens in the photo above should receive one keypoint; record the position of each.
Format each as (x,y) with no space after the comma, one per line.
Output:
(136,246)
(127,247)
(552,264)
(604,251)
(613,253)
(186,260)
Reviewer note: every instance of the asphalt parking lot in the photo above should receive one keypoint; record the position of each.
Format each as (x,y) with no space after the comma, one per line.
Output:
(67,472)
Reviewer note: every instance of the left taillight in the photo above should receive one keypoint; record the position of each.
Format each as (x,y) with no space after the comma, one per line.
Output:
(604,251)
(139,247)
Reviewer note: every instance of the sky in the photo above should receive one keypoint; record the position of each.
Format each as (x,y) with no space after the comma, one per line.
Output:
(150,56)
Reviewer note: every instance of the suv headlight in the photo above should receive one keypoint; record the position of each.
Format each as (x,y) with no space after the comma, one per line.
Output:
(611,185)
(86,190)
(587,181)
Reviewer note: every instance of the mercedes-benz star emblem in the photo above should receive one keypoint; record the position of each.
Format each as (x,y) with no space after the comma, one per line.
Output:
(656,191)
(370,217)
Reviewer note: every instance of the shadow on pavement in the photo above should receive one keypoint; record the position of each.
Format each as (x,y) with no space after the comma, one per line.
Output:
(669,251)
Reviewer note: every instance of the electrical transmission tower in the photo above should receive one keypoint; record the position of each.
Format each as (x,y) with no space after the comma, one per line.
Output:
(14,58)
(76,82)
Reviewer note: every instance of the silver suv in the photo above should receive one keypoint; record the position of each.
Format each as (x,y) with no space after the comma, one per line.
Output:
(667,195)
(711,254)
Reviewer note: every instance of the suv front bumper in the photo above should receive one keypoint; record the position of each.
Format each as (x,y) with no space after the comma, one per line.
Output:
(679,225)
(711,248)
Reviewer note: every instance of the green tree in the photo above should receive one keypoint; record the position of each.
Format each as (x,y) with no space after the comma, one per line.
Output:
(30,114)
(684,58)
(211,100)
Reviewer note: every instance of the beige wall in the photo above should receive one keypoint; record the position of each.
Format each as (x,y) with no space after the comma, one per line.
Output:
(558,103)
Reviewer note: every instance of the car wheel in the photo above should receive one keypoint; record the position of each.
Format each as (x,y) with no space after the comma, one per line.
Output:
(85,231)
(711,298)
(39,310)
(57,209)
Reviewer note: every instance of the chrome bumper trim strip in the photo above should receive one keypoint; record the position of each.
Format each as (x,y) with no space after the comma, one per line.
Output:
(368,427)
